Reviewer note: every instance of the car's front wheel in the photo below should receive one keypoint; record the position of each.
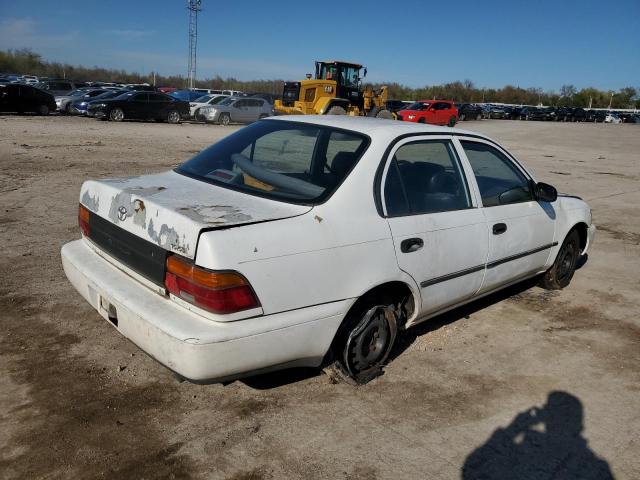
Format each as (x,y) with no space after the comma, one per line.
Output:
(173,117)
(224,119)
(562,270)
(117,115)
(43,110)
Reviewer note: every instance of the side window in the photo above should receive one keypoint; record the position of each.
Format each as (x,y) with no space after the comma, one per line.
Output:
(499,180)
(140,97)
(240,104)
(425,177)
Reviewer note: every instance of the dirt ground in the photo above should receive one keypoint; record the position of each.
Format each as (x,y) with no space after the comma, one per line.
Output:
(77,400)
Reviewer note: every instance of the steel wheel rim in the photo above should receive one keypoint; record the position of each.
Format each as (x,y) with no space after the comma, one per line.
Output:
(368,346)
(566,260)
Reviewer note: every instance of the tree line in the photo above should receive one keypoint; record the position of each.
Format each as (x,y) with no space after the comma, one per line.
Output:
(25,61)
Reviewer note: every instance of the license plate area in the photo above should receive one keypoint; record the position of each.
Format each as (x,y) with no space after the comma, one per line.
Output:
(109,309)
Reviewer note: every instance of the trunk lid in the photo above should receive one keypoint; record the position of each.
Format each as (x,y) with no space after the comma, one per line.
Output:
(170,210)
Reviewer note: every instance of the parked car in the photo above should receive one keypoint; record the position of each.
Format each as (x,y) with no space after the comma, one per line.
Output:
(469,111)
(533,113)
(20,98)
(63,103)
(612,118)
(29,79)
(58,87)
(80,105)
(140,106)
(497,113)
(237,110)
(395,106)
(434,112)
(200,284)
(209,99)
(188,95)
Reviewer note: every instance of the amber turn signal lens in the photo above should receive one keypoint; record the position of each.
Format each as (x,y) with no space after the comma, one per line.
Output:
(205,278)
(83,220)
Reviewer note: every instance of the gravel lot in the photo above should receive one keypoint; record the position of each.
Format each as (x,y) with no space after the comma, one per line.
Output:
(77,400)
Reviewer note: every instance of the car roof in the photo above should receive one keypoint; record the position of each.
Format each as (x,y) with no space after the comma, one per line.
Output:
(373,126)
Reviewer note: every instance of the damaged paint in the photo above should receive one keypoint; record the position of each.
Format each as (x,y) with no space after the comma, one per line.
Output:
(168,238)
(214,214)
(171,210)
(92,203)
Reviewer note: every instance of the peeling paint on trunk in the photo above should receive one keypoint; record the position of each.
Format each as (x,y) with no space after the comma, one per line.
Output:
(170,209)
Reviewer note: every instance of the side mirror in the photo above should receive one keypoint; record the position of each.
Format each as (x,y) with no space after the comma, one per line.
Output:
(365,73)
(545,192)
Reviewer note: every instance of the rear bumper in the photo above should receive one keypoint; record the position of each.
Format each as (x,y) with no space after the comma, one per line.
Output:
(197,348)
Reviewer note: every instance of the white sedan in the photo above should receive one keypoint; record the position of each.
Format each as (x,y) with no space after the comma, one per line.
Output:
(307,241)
(204,101)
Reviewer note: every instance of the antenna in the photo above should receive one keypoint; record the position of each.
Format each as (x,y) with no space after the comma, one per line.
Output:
(194,6)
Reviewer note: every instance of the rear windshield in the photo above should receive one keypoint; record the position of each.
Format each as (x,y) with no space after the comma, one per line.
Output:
(290,161)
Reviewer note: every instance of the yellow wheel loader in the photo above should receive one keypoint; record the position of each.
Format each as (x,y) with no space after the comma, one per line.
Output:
(336,90)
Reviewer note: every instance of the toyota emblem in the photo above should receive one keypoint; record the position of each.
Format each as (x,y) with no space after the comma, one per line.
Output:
(122,213)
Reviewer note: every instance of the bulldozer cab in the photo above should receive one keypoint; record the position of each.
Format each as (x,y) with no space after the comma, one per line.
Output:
(347,77)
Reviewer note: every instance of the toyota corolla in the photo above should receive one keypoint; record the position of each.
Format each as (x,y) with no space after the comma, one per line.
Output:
(313,241)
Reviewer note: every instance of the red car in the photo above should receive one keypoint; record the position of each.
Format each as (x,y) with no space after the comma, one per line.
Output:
(435,112)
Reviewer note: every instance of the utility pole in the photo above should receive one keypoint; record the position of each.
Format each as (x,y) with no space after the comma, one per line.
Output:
(194,6)
(610,100)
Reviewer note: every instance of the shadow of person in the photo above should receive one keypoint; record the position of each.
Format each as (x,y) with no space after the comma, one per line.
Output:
(540,443)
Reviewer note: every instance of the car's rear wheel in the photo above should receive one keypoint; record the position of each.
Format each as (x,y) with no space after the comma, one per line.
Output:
(117,115)
(43,110)
(224,119)
(364,341)
(336,110)
(562,270)
(173,117)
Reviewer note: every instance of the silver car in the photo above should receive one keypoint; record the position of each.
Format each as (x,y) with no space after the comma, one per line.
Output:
(237,110)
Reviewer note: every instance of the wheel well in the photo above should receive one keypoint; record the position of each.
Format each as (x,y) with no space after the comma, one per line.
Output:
(397,291)
(582,230)
(337,103)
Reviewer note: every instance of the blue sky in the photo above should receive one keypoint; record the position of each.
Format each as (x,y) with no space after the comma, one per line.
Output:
(493,43)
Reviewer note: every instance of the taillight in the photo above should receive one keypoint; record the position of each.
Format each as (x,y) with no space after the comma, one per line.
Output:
(217,292)
(83,220)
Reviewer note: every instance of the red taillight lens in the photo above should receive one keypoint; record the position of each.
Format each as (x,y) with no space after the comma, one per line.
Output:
(83,220)
(217,292)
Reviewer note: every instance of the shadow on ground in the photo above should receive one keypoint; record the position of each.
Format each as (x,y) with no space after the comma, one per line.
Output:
(540,443)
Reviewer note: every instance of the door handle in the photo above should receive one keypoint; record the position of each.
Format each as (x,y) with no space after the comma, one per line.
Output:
(411,245)
(499,228)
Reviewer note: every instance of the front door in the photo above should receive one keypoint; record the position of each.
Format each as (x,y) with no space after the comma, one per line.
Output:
(521,229)
(439,234)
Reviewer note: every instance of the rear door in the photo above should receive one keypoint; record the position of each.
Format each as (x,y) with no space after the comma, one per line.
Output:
(439,233)
(521,229)
(138,106)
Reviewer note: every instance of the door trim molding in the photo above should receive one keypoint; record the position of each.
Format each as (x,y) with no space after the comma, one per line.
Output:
(495,263)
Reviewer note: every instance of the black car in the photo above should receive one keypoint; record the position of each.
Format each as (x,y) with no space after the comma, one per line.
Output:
(15,97)
(497,113)
(140,106)
(395,105)
(469,111)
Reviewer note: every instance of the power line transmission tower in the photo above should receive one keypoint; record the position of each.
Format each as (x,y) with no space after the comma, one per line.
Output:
(194,6)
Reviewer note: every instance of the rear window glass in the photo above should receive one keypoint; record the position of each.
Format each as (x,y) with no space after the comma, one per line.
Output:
(297,162)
